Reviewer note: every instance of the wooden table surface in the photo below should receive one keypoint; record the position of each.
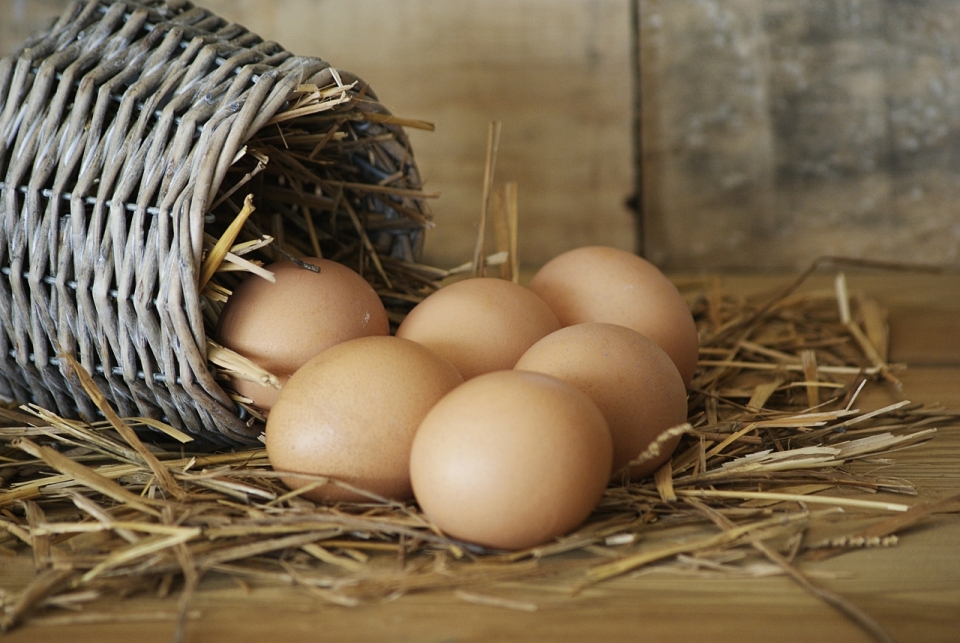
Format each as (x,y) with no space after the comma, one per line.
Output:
(912,589)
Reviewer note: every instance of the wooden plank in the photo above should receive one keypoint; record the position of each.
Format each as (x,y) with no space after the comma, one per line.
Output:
(774,130)
(927,335)
(556,74)
(911,590)
(782,130)
(22,18)
(709,158)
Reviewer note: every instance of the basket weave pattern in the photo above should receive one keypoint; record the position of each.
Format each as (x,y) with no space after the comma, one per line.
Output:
(118,127)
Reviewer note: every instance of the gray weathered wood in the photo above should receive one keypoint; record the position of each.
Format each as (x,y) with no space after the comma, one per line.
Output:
(781,130)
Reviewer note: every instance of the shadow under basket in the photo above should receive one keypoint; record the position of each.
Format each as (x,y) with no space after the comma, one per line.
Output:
(131,134)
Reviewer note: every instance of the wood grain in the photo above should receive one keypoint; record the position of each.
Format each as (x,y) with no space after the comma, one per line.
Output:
(557,74)
(780,130)
(774,131)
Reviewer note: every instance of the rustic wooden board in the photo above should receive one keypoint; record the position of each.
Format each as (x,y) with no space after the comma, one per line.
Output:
(911,591)
(774,130)
(780,130)
(557,74)
(21,18)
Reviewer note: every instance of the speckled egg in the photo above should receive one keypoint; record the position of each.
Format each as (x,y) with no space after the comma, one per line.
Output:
(281,325)
(351,413)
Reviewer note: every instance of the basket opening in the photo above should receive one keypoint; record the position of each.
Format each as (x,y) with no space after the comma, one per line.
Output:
(333,185)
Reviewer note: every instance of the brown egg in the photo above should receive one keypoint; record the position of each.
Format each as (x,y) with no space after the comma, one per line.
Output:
(600,284)
(480,325)
(633,382)
(351,412)
(282,325)
(511,459)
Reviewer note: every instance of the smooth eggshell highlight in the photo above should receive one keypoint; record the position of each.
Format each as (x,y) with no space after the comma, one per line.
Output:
(511,459)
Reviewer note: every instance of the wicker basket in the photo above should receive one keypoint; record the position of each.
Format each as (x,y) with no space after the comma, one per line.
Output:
(130,132)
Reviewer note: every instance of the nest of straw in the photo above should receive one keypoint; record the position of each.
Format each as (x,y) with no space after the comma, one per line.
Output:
(773,445)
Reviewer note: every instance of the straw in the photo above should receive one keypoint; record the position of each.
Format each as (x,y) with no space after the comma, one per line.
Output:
(758,462)
(493,147)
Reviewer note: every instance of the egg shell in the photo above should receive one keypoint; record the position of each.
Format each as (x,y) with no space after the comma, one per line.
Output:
(351,413)
(511,459)
(481,324)
(279,326)
(633,382)
(603,284)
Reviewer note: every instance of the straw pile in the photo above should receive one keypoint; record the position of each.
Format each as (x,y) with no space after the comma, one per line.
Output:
(772,447)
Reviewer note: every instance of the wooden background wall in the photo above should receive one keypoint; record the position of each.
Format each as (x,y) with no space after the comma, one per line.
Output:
(780,130)
(774,131)
(555,72)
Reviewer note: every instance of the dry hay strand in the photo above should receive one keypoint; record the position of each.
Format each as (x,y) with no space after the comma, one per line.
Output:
(294,191)
(771,447)
(292,166)
(291,194)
